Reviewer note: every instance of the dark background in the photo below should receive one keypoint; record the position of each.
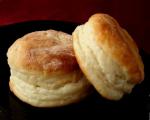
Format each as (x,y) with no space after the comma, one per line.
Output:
(134,15)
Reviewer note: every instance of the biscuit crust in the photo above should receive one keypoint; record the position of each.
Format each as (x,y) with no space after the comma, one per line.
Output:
(43,51)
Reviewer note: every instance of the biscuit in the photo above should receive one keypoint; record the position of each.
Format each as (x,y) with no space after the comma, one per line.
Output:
(44,70)
(108,56)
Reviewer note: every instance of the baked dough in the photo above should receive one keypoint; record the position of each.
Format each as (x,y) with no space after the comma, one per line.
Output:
(44,70)
(108,56)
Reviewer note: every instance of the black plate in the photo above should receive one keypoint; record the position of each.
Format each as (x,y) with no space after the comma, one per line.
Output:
(135,106)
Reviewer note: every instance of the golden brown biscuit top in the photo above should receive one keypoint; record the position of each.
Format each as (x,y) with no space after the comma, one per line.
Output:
(117,43)
(43,51)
